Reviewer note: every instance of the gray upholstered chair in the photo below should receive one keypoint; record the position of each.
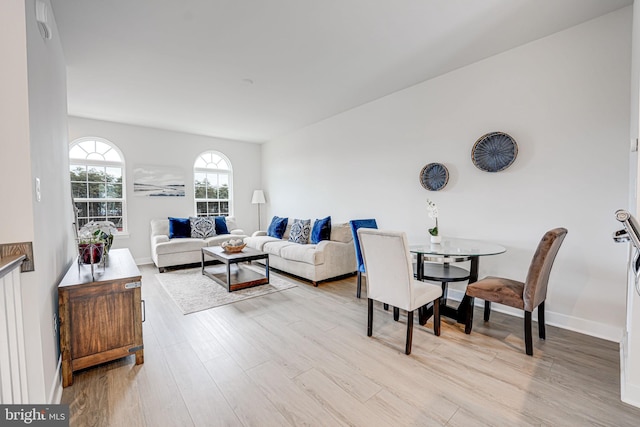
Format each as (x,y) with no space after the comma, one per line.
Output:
(525,295)
(390,279)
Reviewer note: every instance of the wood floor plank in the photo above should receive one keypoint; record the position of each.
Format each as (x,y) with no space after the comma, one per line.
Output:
(249,403)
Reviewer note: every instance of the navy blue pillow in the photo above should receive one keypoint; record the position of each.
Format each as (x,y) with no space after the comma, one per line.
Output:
(277,227)
(179,228)
(321,230)
(221,225)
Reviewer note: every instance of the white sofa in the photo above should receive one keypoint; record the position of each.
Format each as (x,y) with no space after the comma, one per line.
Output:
(167,252)
(326,260)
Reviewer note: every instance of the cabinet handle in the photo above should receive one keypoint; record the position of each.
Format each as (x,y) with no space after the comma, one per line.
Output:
(144,311)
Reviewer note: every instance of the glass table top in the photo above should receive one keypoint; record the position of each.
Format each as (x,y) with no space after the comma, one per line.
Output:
(457,247)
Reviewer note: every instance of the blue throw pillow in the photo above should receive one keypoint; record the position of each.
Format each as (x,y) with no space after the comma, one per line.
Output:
(221,225)
(321,230)
(179,228)
(277,227)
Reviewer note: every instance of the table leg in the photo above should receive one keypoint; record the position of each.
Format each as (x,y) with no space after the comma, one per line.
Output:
(266,269)
(465,304)
(420,267)
(202,252)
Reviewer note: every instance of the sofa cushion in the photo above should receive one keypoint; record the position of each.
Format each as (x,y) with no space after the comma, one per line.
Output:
(179,245)
(277,227)
(179,228)
(300,231)
(302,253)
(202,227)
(274,248)
(258,242)
(221,225)
(321,230)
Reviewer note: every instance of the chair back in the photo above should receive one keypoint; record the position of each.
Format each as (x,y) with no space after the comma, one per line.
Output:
(355,225)
(388,265)
(535,286)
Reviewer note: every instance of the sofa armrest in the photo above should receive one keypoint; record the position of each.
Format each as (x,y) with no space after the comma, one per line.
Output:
(259,233)
(338,255)
(160,239)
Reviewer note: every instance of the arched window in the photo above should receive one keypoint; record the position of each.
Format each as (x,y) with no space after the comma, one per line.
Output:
(96,168)
(212,180)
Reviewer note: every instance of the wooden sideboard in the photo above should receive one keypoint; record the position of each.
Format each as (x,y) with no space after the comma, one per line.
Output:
(101,316)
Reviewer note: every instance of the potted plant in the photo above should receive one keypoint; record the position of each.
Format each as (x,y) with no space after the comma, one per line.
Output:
(432,209)
(94,241)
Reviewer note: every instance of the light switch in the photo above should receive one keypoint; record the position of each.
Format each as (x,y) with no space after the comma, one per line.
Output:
(38,194)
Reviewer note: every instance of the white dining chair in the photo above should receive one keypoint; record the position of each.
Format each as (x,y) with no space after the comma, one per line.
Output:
(390,279)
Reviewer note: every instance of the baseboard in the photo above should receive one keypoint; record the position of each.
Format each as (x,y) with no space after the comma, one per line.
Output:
(55,394)
(143,261)
(583,326)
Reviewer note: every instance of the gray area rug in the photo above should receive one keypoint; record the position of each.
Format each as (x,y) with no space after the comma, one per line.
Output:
(193,292)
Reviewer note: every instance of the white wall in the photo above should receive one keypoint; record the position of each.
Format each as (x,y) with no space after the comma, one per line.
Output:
(33,133)
(565,100)
(148,146)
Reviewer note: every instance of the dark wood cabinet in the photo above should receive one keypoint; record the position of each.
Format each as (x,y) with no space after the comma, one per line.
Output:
(101,315)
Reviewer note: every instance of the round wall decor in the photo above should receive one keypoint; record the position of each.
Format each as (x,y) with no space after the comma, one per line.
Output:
(494,152)
(434,176)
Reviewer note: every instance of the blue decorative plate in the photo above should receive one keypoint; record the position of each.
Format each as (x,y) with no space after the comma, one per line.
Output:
(434,176)
(494,152)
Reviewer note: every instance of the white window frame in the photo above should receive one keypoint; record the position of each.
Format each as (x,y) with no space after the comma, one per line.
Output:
(103,163)
(213,170)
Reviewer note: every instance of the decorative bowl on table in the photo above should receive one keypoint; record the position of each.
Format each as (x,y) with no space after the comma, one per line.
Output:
(233,246)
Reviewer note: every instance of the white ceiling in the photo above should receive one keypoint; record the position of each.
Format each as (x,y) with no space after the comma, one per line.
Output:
(188,65)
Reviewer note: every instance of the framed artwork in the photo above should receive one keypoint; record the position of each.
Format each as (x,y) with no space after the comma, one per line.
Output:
(158,181)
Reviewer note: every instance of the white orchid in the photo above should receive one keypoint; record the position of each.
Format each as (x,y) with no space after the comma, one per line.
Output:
(432,209)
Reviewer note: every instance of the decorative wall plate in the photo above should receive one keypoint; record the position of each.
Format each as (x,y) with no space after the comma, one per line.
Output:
(494,152)
(434,176)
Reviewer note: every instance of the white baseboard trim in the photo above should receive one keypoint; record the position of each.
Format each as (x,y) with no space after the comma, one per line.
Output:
(55,394)
(583,326)
(144,261)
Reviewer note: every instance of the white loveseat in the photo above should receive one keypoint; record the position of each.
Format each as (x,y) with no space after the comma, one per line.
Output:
(326,260)
(167,252)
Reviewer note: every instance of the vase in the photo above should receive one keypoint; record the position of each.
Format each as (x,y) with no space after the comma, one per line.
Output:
(90,253)
(436,239)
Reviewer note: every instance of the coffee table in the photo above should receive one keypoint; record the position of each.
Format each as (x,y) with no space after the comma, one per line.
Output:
(232,274)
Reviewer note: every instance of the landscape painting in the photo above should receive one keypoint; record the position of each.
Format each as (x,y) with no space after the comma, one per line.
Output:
(158,181)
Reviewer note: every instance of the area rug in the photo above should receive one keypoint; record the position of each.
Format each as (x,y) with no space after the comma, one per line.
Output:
(192,292)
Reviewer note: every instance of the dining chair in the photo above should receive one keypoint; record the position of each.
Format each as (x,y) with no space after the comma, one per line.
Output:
(390,279)
(525,295)
(355,225)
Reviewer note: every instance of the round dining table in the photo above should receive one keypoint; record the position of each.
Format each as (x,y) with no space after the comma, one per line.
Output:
(434,263)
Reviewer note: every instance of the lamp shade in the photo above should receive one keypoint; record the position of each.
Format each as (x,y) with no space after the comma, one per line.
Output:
(258,197)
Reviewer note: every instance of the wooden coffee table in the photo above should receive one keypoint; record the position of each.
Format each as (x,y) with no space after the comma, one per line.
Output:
(232,274)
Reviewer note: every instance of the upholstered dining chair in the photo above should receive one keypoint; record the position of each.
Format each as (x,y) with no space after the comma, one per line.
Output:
(525,295)
(355,225)
(390,279)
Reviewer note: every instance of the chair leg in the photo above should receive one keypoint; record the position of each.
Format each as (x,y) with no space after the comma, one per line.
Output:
(528,341)
(469,321)
(422,315)
(409,332)
(436,317)
(542,333)
(359,281)
(385,306)
(396,313)
(487,310)
(369,317)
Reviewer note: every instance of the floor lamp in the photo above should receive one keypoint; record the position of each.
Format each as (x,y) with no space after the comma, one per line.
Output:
(258,199)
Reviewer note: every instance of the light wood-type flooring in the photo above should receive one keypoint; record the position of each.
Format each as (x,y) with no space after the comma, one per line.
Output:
(301,357)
